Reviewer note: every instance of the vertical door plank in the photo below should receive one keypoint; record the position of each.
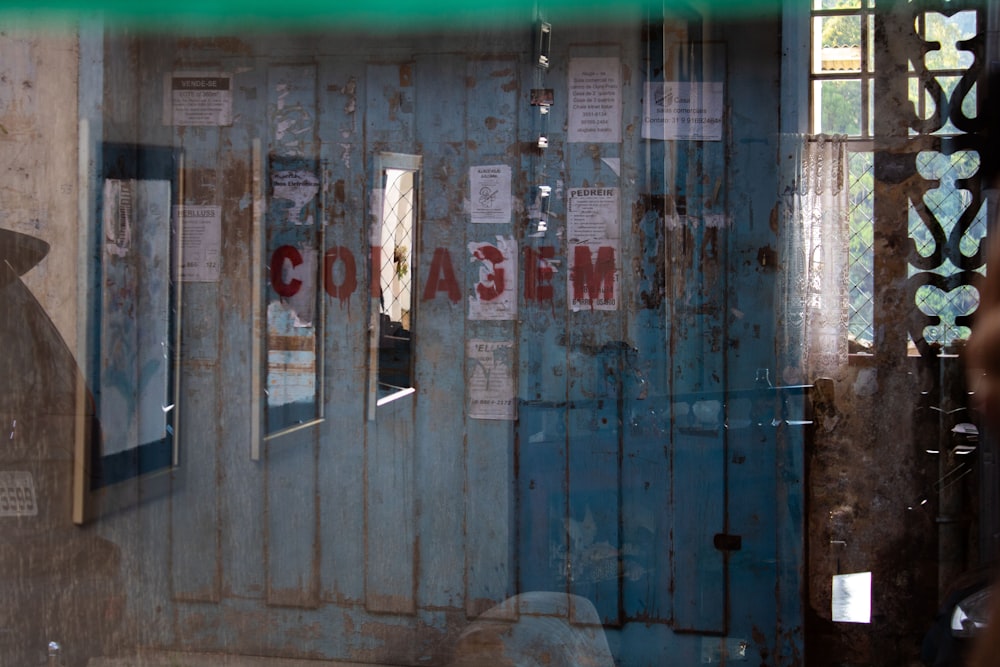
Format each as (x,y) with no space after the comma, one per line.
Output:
(390,531)
(697,290)
(491,98)
(291,518)
(542,556)
(241,506)
(342,91)
(439,119)
(598,355)
(645,415)
(194,503)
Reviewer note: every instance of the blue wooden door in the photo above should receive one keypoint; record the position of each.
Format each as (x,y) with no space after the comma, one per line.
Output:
(632,470)
(653,478)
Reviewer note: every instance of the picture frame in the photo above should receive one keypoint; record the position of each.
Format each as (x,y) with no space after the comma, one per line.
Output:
(289,317)
(128,410)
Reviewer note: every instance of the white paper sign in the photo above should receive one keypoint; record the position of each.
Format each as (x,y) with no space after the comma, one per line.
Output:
(683,111)
(490,193)
(851,600)
(299,188)
(593,276)
(595,100)
(495,294)
(117,216)
(490,382)
(592,214)
(593,226)
(201,242)
(198,99)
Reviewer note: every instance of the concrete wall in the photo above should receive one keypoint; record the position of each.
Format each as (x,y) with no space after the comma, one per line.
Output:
(38,140)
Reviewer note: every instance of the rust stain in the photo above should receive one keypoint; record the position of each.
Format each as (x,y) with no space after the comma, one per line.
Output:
(760,639)
(406,75)
(491,122)
(236,227)
(531,148)
(509,87)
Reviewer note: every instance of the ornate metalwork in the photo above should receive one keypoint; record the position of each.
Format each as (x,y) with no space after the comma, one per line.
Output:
(941,248)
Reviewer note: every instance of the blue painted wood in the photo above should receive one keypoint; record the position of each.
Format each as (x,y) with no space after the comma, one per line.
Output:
(491,98)
(646,417)
(424,512)
(753,296)
(390,512)
(195,566)
(439,94)
(342,92)
(596,458)
(541,529)
(753,515)
(291,538)
(390,485)
(291,519)
(194,555)
(541,440)
(439,104)
(791,519)
(696,291)
(241,488)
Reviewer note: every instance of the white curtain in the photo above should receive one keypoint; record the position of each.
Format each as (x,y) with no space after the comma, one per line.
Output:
(814,254)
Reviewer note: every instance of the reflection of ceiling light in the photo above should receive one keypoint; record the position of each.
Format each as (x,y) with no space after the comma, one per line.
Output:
(966,429)
(923,501)
(933,451)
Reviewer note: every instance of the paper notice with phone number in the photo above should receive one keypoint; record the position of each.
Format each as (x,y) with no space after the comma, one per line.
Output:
(595,100)
(490,372)
(594,229)
(201,242)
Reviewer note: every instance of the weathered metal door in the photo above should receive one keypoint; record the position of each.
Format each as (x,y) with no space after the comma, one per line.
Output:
(572,403)
(656,476)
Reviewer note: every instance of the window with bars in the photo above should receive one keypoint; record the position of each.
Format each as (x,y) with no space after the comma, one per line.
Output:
(843,67)
(394,236)
(949,221)
(397,245)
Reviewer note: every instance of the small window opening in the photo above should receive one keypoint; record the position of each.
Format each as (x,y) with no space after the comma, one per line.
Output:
(394,236)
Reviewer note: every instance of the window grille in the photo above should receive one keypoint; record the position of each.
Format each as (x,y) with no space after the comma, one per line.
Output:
(946,217)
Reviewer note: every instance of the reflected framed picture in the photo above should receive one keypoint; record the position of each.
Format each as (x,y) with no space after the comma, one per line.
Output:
(132,330)
(289,316)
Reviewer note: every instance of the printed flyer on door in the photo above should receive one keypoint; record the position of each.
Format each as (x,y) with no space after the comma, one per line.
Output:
(594,230)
